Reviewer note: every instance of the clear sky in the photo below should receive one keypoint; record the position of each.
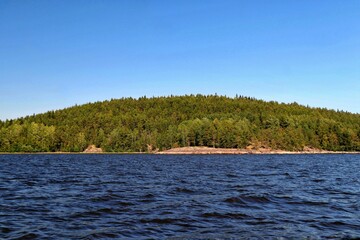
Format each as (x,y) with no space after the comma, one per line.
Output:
(55,54)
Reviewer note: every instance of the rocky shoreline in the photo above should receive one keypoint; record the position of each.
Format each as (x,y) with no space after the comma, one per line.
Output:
(208,150)
(197,151)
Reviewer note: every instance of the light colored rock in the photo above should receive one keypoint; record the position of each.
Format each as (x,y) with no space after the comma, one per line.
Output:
(248,150)
(93,149)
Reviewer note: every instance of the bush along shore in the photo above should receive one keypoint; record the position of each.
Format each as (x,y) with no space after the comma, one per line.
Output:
(239,125)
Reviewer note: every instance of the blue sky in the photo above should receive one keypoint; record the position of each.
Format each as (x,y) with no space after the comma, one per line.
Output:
(55,54)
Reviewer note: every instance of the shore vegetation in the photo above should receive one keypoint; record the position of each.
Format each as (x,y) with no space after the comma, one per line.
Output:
(160,123)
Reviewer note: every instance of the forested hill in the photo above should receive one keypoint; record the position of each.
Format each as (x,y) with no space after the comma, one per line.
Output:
(145,124)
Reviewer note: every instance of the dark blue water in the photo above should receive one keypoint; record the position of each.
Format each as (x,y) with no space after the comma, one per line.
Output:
(179,197)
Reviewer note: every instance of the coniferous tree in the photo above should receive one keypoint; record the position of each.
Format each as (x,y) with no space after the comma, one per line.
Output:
(147,124)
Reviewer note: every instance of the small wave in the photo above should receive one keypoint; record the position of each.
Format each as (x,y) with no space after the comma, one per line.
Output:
(27,236)
(337,224)
(234,200)
(94,213)
(157,169)
(160,220)
(183,190)
(63,181)
(105,198)
(147,198)
(97,235)
(105,210)
(185,225)
(350,238)
(30,183)
(39,198)
(284,197)
(288,176)
(260,222)
(149,195)
(166,213)
(309,203)
(244,199)
(340,191)
(318,180)
(225,215)
(240,188)
(232,175)
(265,174)
(6,230)
(31,209)
(122,203)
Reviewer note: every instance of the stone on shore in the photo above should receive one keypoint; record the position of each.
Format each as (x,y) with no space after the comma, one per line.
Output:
(93,149)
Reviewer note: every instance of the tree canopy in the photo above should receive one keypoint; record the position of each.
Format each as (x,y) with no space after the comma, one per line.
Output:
(145,124)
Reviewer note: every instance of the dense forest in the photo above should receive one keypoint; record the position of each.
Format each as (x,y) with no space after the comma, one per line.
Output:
(159,123)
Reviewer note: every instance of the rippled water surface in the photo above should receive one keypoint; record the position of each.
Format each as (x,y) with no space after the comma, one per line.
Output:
(179,197)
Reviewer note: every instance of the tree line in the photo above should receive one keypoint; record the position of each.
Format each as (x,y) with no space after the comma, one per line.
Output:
(146,124)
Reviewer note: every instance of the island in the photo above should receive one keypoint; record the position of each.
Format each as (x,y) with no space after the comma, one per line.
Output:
(184,124)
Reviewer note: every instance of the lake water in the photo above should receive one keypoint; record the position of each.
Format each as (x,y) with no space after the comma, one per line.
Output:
(179,197)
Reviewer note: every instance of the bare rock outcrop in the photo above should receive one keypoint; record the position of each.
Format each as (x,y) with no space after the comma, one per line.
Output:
(93,149)
(203,150)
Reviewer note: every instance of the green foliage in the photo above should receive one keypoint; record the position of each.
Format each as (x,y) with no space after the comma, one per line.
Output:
(28,137)
(144,124)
